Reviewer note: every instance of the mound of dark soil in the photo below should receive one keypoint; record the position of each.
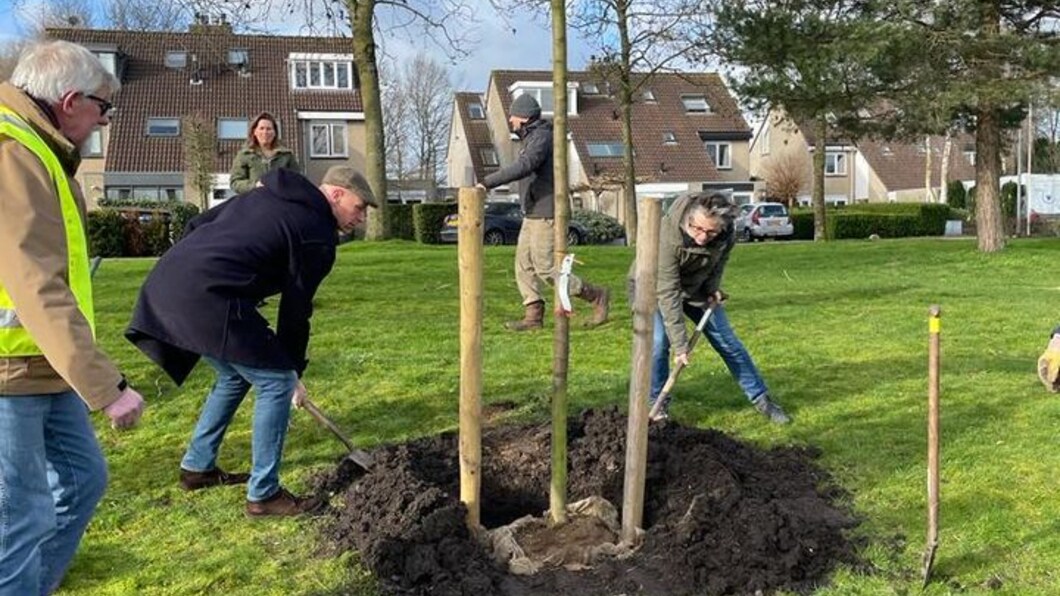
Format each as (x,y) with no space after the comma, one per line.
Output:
(721,516)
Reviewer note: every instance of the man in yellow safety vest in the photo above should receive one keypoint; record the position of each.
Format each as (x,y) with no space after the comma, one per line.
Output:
(52,372)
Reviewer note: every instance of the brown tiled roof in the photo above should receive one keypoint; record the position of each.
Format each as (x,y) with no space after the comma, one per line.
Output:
(149,89)
(477,132)
(900,165)
(599,120)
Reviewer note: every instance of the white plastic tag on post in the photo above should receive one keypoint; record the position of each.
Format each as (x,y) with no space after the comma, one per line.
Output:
(564,283)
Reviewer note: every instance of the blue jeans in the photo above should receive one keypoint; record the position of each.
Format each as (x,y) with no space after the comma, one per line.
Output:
(52,475)
(724,341)
(272,410)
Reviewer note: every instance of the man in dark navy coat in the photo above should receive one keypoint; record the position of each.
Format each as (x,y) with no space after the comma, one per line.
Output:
(199,301)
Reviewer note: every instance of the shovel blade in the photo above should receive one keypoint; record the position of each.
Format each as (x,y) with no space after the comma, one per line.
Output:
(361,458)
(929,561)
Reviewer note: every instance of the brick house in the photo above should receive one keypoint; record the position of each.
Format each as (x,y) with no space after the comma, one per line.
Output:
(862,171)
(308,83)
(688,134)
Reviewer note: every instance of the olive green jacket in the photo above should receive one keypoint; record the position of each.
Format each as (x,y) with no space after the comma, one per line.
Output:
(250,165)
(687,273)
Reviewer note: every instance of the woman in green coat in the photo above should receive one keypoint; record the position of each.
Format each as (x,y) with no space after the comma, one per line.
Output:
(262,153)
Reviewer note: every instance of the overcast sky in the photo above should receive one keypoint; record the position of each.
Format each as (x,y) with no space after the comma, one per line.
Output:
(520,42)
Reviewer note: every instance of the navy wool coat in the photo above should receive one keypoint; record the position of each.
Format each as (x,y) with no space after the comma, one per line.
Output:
(201,297)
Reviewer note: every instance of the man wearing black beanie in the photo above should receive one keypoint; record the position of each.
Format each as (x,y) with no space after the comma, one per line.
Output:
(534,252)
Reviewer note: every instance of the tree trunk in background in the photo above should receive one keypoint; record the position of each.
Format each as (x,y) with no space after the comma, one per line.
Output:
(944,169)
(988,223)
(988,167)
(626,100)
(928,192)
(561,331)
(819,227)
(361,19)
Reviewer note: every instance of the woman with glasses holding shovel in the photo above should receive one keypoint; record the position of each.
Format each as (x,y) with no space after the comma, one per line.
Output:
(696,238)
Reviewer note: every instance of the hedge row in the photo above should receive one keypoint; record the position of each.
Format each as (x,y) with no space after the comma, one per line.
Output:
(428,219)
(887,220)
(399,224)
(127,233)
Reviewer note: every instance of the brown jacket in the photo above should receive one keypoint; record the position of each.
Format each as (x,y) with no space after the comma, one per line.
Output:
(33,270)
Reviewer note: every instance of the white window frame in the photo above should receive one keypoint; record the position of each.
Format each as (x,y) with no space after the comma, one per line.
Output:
(669,138)
(590,88)
(318,69)
(765,139)
(695,103)
(722,154)
(970,156)
(161,121)
(648,95)
(835,163)
(335,129)
(244,123)
(476,111)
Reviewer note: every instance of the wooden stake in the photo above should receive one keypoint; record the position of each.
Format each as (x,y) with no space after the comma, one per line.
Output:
(640,373)
(934,328)
(471,208)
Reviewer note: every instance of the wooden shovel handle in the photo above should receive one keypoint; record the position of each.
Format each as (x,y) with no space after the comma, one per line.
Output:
(327,423)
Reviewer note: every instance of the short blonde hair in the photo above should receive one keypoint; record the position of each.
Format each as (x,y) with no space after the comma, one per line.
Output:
(49,70)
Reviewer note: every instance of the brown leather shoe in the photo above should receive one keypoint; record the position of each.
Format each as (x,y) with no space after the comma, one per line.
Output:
(283,503)
(215,477)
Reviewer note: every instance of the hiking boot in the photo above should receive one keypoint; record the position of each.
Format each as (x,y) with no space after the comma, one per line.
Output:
(771,410)
(216,477)
(600,298)
(533,319)
(283,503)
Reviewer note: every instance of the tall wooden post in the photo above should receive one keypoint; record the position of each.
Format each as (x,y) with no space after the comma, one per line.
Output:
(640,375)
(470,251)
(934,329)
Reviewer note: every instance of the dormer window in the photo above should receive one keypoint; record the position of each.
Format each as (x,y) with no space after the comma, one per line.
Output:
(176,59)
(606,149)
(669,138)
(475,111)
(648,95)
(489,157)
(321,71)
(542,92)
(590,89)
(695,104)
(238,57)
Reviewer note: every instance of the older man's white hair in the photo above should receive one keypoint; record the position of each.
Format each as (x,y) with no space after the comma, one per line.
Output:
(49,70)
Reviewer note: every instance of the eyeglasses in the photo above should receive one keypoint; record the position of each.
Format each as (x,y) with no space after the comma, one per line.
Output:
(708,232)
(106,108)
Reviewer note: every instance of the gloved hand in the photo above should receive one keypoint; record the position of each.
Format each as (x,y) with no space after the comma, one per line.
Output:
(299,396)
(125,411)
(718,297)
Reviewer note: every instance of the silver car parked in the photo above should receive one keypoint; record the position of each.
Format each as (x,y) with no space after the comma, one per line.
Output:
(763,220)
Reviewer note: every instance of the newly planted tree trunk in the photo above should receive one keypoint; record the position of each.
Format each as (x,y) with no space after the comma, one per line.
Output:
(819,228)
(561,332)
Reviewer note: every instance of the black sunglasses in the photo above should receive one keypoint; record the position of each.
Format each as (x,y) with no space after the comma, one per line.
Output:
(105,107)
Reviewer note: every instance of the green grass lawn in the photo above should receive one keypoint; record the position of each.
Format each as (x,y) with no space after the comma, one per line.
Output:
(838,330)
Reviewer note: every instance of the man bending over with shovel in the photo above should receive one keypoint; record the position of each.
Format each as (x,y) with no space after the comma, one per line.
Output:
(694,244)
(200,299)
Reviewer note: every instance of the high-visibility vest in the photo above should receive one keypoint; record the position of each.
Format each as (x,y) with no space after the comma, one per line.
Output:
(14,339)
